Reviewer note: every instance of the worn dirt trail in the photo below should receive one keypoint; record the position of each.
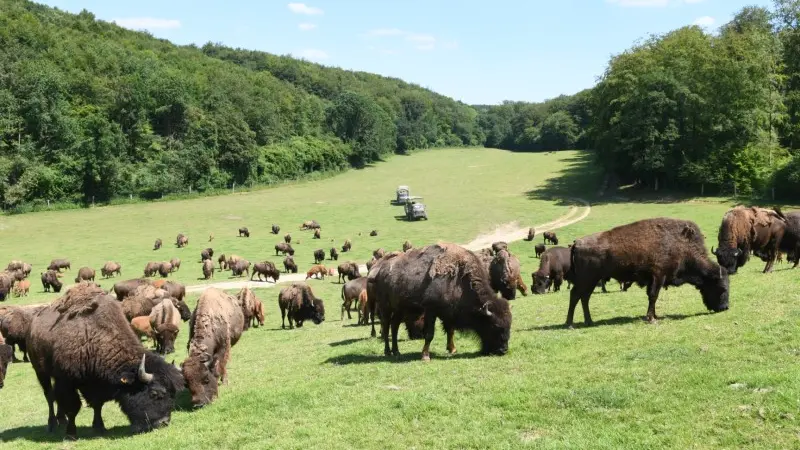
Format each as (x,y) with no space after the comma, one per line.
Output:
(509,232)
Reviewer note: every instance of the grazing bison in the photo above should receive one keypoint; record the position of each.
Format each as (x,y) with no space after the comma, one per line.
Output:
(223,262)
(407,246)
(539,249)
(232,260)
(141,326)
(551,237)
(244,232)
(22,288)
(350,292)
(347,246)
(531,234)
(20,266)
(655,253)
(258,318)
(151,268)
(554,268)
(267,269)
(15,323)
(216,326)
(58,264)
(240,268)
(379,253)
(334,254)
(181,241)
(85,274)
(110,268)
(287,238)
(373,233)
(157,245)
(745,230)
(50,281)
(125,288)
(441,281)
(207,254)
(318,271)
(505,276)
(83,343)
(208,269)
(319,255)
(247,300)
(289,264)
(283,248)
(499,245)
(177,291)
(165,320)
(309,225)
(348,270)
(142,301)
(299,304)
(275,229)
(164,269)
(317,234)
(176,264)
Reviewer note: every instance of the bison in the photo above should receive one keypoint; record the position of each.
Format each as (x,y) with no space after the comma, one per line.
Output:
(318,271)
(289,264)
(83,343)
(287,238)
(379,253)
(267,269)
(550,237)
(50,281)
(125,288)
(373,233)
(441,281)
(58,264)
(240,267)
(346,246)
(348,270)
(247,300)
(207,254)
(208,269)
(151,268)
(499,245)
(539,249)
(334,254)
(165,320)
(6,352)
(407,246)
(21,266)
(174,289)
(317,233)
(244,232)
(176,264)
(164,269)
(531,234)
(182,240)
(216,326)
(85,274)
(655,253)
(157,244)
(110,268)
(319,255)
(505,276)
(745,230)
(142,301)
(275,229)
(350,293)
(22,288)
(299,304)
(554,268)
(15,323)
(258,318)
(223,262)
(283,248)
(310,225)
(371,263)
(141,326)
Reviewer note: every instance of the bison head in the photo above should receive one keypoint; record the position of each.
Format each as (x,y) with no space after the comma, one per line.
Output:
(318,313)
(166,334)
(493,325)
(147,394)
(715,289)
(6,354)
(541,282)
(183,309)
(200,373)
(728,258)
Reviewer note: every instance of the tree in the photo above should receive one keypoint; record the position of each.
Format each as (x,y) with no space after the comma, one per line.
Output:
(358,120)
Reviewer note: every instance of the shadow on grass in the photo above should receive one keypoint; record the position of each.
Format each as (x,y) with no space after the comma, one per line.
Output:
(616,321)
(402,358)
(38,433)
(347,342)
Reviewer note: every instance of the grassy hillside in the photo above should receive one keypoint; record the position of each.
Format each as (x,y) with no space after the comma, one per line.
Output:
(694,379)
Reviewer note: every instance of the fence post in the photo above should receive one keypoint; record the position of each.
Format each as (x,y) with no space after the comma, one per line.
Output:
(233,188)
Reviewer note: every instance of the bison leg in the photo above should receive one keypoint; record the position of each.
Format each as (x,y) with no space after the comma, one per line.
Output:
(428,330)
(580,292)
(521,286)
(652,296)
(70,403)
(451,342)
(283,318)
(97,423)
(603,286)
(397,319)
(47,389)
(384,333)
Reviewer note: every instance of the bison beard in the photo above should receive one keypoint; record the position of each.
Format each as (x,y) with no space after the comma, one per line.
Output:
(83,343)
(444,281)
(654,253)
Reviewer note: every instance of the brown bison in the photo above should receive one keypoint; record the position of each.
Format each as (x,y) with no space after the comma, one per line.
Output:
(50,281)
(258,318)
(223,262)
(745,230)
(531,234)
(654,253)
(22,288)
(334,254)
(165,320)
(373,233)
(125,288)
(157,244)
(232,260)
(182,240)
(267,269)
(539,249)
(441,281)
(141,326)
(85,274)
(240,268)
(283,248)
(110,268)
(216,326)
(309,225)
(379,253)
(287,238)
(554,268)
(164,269)
(275,229)
(550,237)
(151,268)
(407,246)
(6,284)
(347,246)
(174,289)
(83,343)
(58,264)
(15,323)
(499,245)
(22,266)
(371,263)
(247,300)
(317,233)
(176,264)
(207,254)
(350,292)
(208,269)
(319,255)
(348,270)
(299,304)
(244,232)
(6,353)
(505,276)
(142,301)
(289,265)
(318,271)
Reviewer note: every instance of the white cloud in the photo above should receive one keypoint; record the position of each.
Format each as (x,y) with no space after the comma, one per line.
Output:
(385,32)
(705,21)
(147,23)
(420,41)
(313,54)
(651,3)
(307,26)
(302,8)
(424,42)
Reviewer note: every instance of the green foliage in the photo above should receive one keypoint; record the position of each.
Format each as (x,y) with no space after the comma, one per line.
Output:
(360,122)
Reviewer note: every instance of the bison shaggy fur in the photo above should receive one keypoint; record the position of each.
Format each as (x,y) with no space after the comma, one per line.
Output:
(298,303)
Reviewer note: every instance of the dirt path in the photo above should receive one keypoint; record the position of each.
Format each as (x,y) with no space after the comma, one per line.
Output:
(509,232)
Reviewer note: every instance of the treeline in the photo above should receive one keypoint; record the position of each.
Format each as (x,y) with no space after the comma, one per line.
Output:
(90,111)
(713,113)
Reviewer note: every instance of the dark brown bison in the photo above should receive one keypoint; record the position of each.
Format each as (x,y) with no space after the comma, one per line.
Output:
(157,244)
(208,269)
(441,281)
(50,281)
(247,300)
(289,265)
(15,323)
(6,353)
(287,238)
(309,225)
(299,304)
(499,245)
(347,246)
(350,292)
(655,253)
(141,301)
(348,270)
(85,274)
(745,230)
(165,321)
(151,268)
(232,260)
(283,248)
(379,253)
(176,264)
(223,262)
(175,289)
(125,288)
(371,263)
(317,234)
(58,264)
(319,255)
(267,269)
(373,233)
(407,246)
(531,234)
(554,268)
(164,269)
(83,343)
(110,268)
(240,268)
(216,326)
(275,229)
(505,276)
(334,254)
(539,249)
(244,232)
(21,266)
(207,254)
(181,241)
(550,237)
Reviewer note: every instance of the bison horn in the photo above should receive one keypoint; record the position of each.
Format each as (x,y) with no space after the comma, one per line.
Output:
(485,310)
(713,252)
(144,377)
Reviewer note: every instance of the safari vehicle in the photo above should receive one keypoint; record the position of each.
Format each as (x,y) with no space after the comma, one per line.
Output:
(415,211)
(403,194)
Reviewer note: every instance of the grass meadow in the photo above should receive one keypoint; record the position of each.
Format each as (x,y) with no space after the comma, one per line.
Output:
(693,380)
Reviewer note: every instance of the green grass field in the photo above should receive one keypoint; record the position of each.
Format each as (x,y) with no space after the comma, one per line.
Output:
(693,380)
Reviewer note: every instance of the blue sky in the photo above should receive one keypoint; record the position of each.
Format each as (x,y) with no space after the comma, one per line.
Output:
(475,51)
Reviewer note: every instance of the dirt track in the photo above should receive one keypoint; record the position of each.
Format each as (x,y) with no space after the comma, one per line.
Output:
(509,232)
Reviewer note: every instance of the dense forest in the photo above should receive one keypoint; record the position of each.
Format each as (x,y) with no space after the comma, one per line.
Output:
(91,112)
